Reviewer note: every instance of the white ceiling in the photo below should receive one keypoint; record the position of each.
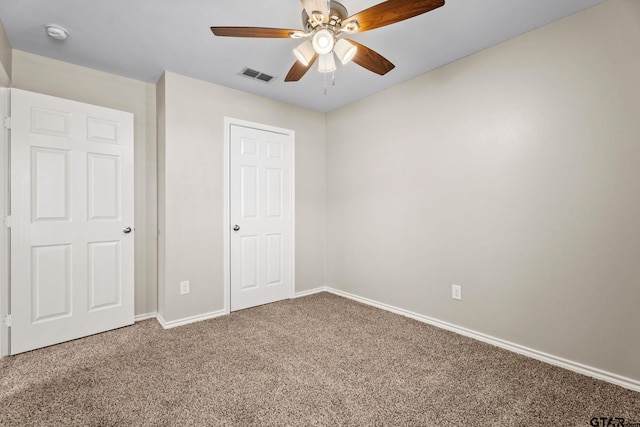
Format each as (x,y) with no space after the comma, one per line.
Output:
(141,38)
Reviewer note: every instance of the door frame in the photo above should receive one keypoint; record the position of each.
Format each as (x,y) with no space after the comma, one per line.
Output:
(5,170)
(226,224)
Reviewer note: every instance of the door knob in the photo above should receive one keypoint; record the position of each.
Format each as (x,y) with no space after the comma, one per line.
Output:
(236,228)
(126,230)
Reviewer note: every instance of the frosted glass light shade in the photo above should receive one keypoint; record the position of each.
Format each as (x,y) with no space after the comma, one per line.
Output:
(345,51)
(304,52)
(323,42)
(327,63)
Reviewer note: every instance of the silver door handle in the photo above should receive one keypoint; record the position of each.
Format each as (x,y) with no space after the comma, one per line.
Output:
(236,228)
(126,230)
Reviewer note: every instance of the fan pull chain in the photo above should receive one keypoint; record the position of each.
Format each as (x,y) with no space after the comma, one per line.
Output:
(333,76)
(325,84)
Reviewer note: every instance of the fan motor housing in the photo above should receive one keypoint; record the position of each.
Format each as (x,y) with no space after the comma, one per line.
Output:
(337,13)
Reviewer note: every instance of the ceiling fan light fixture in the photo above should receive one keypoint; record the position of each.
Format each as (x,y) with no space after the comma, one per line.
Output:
(317,16)
(345,51)
(325,22)
(323,42)
(304,53)
(351,27)
(327,63)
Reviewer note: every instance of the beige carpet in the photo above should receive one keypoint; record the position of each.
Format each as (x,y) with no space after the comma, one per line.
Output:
(318,360)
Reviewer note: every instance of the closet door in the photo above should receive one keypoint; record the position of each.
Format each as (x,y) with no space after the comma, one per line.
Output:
(261,216)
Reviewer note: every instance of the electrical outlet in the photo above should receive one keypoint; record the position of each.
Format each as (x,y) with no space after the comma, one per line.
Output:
(456,292)
(185,287)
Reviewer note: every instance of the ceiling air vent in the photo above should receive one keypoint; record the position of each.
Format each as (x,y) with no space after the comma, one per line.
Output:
(250,73)
(264,77)
(256,75)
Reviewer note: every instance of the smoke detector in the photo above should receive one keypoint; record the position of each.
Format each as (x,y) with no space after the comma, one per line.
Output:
(57,32)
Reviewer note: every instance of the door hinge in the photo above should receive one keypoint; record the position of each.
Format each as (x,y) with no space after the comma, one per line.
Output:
(7,222)
(7,321)
(7,122)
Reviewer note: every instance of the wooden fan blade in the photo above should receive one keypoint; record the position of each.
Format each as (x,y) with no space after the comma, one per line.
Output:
(390,12)
(277,33)
(371,60)
(316,6)
(299,70)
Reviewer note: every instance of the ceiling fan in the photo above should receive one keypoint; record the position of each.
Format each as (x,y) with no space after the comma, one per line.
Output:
(325,23)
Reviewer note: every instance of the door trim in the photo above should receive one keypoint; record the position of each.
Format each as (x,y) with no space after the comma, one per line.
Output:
(5,308)
(226,225)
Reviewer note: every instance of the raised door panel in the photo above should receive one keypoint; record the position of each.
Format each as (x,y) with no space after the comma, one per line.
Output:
(274,259)
(249,192)
(103,187)
(100,130)
(50,122)
(249,262)
(274,193)
(249,148)
(51,291)
(50,185)
(104,275)
(274,150)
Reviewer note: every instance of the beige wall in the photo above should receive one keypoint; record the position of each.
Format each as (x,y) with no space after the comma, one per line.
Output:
(192,176)
(513,173)
(51,77)
(5,53)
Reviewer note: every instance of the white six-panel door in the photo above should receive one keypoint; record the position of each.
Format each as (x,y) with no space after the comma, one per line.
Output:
(72,253)
(260,216)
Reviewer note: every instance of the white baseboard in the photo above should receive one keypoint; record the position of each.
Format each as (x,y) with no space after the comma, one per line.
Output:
(174,323)
(185,321)
(310,292)
(516,348)
(141,317)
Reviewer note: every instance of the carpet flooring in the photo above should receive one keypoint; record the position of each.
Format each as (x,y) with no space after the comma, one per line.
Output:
(317,360)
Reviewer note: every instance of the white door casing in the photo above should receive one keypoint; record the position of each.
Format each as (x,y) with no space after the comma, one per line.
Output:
(261,208)
(72,259)
(4,203)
